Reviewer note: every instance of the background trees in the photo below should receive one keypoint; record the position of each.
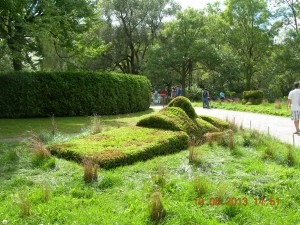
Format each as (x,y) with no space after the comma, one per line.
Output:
(248,44)
(40,28)
(131,28)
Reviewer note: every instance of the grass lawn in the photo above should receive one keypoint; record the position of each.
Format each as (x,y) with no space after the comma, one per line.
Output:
(267,108)
(256,181)
(13,128)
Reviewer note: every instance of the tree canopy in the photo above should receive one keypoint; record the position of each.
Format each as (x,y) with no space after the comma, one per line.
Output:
(246,44)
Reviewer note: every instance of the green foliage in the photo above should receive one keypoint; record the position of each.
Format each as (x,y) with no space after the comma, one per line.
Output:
(206,126)
(122,195)
(54,22)
(172,118)
(262,108)
(185,104)
(156,207)
(221,124)
(201,185)
(194,93)
(132,31)
(122,146)
(253,97)
(71,94)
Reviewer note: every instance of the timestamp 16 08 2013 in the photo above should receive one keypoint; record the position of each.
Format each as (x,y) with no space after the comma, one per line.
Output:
(233,201)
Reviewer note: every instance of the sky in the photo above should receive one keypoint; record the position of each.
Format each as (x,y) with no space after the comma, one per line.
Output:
(197,4)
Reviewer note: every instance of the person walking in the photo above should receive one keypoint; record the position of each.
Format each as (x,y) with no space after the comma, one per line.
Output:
(205,98)
(294,102)
(179,91)
(222,96)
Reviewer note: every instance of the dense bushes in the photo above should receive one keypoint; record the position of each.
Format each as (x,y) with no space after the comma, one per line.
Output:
(72,94)
(253,97)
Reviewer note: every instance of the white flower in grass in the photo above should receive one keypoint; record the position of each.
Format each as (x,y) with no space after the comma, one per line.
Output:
(4,221)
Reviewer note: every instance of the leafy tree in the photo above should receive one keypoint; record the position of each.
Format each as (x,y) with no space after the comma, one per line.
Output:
(183,47)
(132,27)
(248,35)
(27,24)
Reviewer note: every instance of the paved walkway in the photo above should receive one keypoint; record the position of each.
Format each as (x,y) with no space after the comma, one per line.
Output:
(279,127)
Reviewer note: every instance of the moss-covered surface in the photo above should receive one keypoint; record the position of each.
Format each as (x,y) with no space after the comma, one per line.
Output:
(172,118)
(177,118)
(205,126)
(185,104)
(165,132)
(122,146)
(221,124)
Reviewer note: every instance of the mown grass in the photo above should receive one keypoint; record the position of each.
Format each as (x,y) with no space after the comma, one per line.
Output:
(13,128)
(124,195)
(277,109)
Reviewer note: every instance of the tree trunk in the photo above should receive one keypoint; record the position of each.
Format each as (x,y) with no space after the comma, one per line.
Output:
(16,51)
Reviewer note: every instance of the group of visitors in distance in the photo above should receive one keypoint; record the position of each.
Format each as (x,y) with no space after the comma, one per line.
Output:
(293,102)
(164,96)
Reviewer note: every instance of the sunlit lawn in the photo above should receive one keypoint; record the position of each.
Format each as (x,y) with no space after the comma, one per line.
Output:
(278,109)
(12,128)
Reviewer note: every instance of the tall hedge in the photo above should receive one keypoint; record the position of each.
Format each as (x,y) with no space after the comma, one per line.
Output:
(72,94)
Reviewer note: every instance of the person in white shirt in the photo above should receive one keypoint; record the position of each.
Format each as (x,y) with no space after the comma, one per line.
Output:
(294,101)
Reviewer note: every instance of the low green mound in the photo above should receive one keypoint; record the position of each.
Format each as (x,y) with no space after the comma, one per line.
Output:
(172,118)
(205,126)
(122,146)
(185,104)
(221,124)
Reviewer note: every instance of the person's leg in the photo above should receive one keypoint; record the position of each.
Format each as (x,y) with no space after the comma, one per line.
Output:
(296,122)
(208,104)
(205,102)
(295,117)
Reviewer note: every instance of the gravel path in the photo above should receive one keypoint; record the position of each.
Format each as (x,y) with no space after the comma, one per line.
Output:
(279,127)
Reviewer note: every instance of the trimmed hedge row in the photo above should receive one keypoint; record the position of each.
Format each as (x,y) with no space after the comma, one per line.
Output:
(41,94)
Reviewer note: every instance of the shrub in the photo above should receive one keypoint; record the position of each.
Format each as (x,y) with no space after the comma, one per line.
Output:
(43,94)
(196,156)
(291,157)
(45,195)
(24,204)
(201,185)
(194,93)
(156,207)
(253,97)
(96,124)
(185,104)
(159,177)
(218,137)
(90,170)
